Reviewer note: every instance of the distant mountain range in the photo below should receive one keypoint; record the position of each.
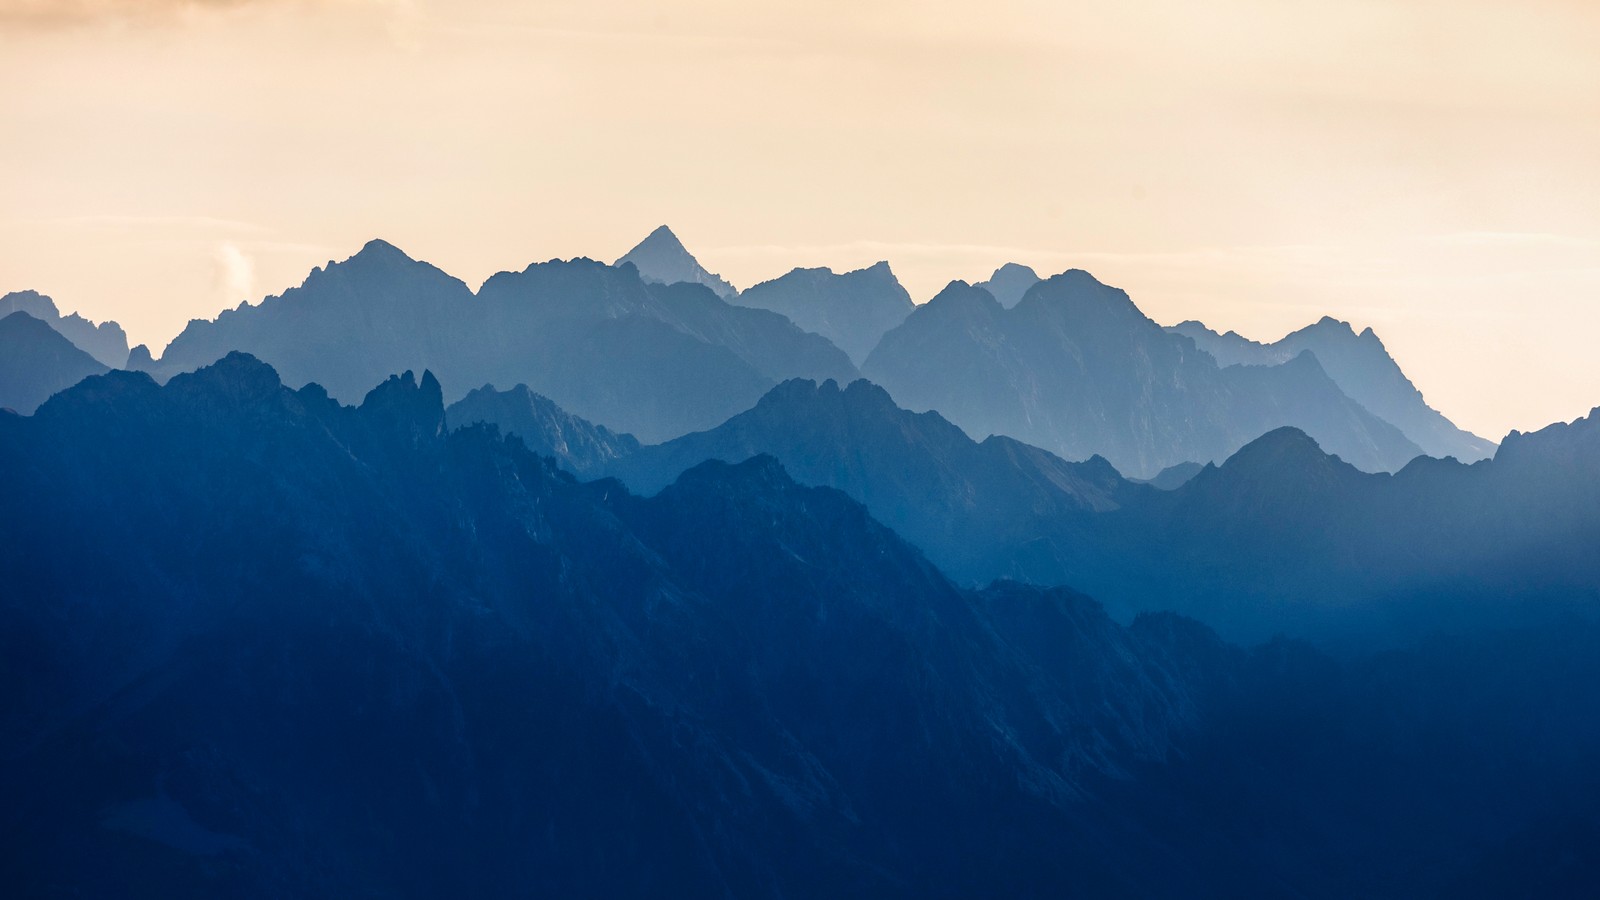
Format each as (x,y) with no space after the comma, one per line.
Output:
(576,444)
(1362,368)
(256,643)
(656,360)
(970,506)
(36,361)
(853,310)
(1077,369)
(1009,283)
(1502,540)
(105,341)
(648,347)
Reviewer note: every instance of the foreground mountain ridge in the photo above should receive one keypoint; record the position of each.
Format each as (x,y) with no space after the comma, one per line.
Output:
(308,618)
(1258,546)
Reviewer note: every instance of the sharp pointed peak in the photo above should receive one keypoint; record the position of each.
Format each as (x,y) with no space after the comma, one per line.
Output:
(662,234)
(380,249)
(663,259)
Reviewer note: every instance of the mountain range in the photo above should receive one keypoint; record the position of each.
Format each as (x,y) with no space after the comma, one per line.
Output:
(37,361)
(657,347)
(105,341)
(323,649)
(1377,557)
(574,443)
(656,360)
(853,310)
(1075,368)
(1363,369)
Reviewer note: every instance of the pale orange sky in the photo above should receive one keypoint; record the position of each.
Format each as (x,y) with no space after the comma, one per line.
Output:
(1431,169)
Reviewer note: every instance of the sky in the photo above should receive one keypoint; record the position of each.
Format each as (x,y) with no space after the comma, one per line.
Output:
(1429,169)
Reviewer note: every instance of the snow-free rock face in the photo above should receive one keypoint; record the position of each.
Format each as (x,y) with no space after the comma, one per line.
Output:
(1077,369)
(853,310)
(105,341)
(662,258)
(36,361)
(1362,368)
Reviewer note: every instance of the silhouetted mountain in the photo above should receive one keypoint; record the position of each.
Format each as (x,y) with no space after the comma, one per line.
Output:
(1175,476)
(1009,283)
(104,341)
(577,445)
(852,310)
(662,258)
(37,361)
(1362,368)
(970,506)
(1283,538)
(654,360)
(254,643)
(1075,368)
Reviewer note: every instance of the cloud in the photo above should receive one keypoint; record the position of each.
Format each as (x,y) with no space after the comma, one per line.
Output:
(236,275)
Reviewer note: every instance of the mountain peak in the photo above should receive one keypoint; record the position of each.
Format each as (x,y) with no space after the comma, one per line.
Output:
(1282,455)
(1010,282)
(662,258)
(31,302)
(236,380)
(1076,289)
(380,250)
(403,405)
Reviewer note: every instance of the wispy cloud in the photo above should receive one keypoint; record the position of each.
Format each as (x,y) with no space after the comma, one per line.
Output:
(235,274)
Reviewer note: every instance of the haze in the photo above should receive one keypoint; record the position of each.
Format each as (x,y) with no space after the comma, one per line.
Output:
(1425,168)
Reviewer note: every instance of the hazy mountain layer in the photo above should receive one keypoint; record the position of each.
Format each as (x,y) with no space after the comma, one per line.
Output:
(322,650)
(1009,283)
(1075,368)
(37,361)
(970,506)
(654,360)
(853,310)
(105,341)
(662,258)
(576,444)
(1362,368)
(1281,539)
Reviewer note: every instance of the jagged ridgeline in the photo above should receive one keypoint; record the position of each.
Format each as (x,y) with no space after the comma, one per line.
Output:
(657,347)
(655,360)
(258,643)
